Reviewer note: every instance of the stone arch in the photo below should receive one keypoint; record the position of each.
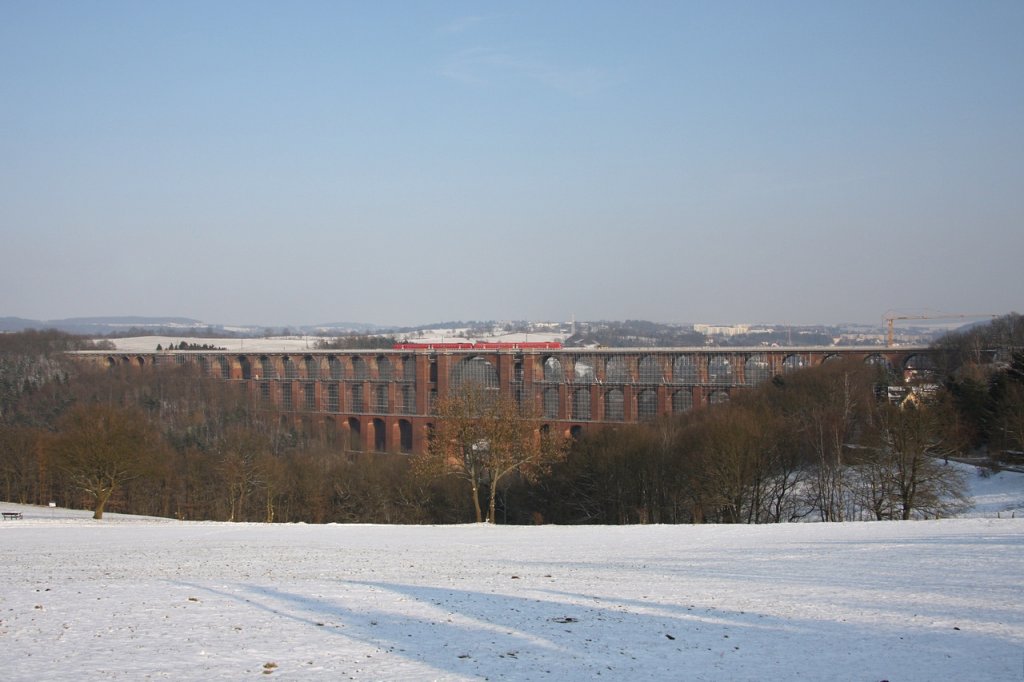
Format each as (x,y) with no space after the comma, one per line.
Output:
(360,371)
(794,362)
(405,436)
(384,369)
(291,370)
(756,370)
(477,370)
(243,362)
(576,431)
(409,369)
(684,370)
(355,435)
(305,427)
(918,368)
(312,367)
(553,371)
(682,401)
(380,399)
(614,405)
(335,368)
(650,370)
(225,366)
(918,363)
(616,371)
(330,431)
(719,397)
(409,399)
(581,404)
(878,360)
(357,398)
(267,369)
(647,405)
(551,402)
(309,396)
(583,371)
(380,435)
(719,370)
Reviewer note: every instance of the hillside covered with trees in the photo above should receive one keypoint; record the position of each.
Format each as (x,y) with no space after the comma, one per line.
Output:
(832,443)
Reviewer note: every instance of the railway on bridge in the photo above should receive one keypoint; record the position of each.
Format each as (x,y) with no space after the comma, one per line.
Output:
(382,400)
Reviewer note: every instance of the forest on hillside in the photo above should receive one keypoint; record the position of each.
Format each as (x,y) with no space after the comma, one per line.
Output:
(833,443)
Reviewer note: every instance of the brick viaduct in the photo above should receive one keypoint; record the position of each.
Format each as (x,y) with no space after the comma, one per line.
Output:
(381,400)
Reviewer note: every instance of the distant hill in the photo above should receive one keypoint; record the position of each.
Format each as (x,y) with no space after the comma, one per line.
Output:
(100,326)
(174,326)
(17,324)
(341,327)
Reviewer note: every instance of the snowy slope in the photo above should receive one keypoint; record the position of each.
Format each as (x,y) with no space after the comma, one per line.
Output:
(999,494)
(134,598)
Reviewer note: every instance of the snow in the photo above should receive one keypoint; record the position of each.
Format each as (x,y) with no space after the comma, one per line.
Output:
(135,597)
(296,344)
(271,344)
(994,493)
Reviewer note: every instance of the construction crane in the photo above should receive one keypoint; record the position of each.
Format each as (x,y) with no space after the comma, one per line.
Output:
(890,319)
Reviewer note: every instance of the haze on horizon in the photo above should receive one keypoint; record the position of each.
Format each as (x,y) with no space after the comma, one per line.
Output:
(402,163)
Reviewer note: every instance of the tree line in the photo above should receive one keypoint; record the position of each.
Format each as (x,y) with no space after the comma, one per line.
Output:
(828,443)
(185,345)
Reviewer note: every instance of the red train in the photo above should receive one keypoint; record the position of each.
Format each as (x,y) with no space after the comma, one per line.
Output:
(482,345)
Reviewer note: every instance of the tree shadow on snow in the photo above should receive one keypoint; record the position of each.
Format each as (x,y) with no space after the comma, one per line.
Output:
(578,636)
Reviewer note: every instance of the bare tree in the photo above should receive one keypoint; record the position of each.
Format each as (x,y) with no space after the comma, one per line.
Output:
(101,448)
(23,470)
(484,437)
(238,456)
(1009,410)
(827,407)
(747,466)
(915,455)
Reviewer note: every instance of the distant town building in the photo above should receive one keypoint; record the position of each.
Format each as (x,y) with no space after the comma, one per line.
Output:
(715,330)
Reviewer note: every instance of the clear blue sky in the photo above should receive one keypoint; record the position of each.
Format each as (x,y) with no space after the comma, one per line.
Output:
(405,162)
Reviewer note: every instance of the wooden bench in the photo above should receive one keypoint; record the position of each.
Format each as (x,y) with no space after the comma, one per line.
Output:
(11,515)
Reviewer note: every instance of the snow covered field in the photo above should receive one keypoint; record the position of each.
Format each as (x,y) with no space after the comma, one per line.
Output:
(279,344)
(296,344)
(137,598)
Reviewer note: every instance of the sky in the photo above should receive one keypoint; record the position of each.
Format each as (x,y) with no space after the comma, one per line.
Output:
(400,163)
